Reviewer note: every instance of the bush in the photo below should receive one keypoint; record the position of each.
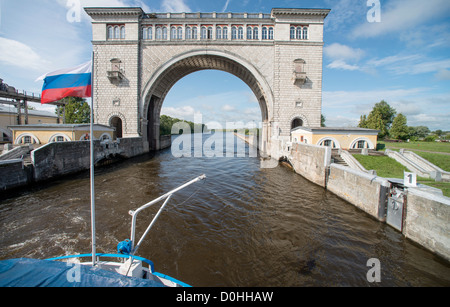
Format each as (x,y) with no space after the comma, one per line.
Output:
(430,138)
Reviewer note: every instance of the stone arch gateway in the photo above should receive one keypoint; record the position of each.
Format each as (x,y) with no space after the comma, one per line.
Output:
(134,72)
(164,78)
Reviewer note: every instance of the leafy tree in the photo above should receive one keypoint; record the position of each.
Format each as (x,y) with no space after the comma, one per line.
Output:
(166,123)
(399,129)
(387,113)
(438,132)
(375,121)
(380,118)
(76,110)
(322,120)
(418,132)
(362,121)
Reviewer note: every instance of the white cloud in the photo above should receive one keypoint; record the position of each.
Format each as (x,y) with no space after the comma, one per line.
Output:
(410,64)
(228,108)
(175,6)
(402,15)
(185,112)
(443,74)
(343,108)
(341,64)
(341,98)
(341,52)
(226,5)
(15,53)
(341,55)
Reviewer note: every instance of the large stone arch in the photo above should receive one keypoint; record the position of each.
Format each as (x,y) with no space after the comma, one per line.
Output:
(165,77)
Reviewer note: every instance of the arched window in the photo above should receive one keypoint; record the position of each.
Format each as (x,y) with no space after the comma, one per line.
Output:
(173,33)
(203,33)
(292,33)
(210,32)
(305,32)
(144,33)
(298,34)
(105,137)
(180,33)
(225,33)
(158,33)
(328,142)
(164,33)
(194,33)
(59,137)
(218,33)
(249,33)
(255,33)
(264,33)
(188,33)
(233,33)
(270,32)
(360,144)
(240,33)
(122,32)
(296,122)
(27,138)
(116,32)
(110,32)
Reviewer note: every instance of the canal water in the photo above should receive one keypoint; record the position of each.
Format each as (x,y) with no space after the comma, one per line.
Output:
(244,226)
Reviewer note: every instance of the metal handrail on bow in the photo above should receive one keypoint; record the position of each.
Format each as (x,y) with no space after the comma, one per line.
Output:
(134,213)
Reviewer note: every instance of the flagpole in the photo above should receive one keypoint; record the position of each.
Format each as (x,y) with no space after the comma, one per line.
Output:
(91,138)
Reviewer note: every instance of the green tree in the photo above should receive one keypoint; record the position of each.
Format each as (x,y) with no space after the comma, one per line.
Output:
(438,132)
(76,110)
(362,121)
(399,129)
(322,120)
(375,121)
(380,118)
(418,132)
(387,113)
(166,123)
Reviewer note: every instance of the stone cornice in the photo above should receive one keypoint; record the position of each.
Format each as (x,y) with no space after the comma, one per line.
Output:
(108,11)
(316,12)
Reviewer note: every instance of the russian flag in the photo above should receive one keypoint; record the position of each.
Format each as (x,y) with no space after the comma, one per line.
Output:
(68,82)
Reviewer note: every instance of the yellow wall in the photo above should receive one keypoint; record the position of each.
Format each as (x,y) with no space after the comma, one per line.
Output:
(343,140)
(44,136)
(11,119)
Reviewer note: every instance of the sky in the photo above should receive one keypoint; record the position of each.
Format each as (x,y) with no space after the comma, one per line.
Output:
(392,50)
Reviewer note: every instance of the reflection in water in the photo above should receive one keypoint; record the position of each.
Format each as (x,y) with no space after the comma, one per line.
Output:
(245,226)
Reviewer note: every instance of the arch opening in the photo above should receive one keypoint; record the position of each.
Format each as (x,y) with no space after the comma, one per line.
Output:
(168,75)
(116,122)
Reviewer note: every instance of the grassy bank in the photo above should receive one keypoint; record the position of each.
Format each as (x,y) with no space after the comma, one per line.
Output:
(389,168)
(428,146)
(436,153)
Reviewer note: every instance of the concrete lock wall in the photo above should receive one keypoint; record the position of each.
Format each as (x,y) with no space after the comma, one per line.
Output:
(367,192)
(13,174)
(427,221)
(311,161)
(62,158)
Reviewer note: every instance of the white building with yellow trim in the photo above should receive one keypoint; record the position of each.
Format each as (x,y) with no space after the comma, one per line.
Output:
(344,138)
(47,133)
(9,117)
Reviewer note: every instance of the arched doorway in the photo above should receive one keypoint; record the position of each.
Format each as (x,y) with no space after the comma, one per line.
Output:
(296,122)
(116,122)
(166,76)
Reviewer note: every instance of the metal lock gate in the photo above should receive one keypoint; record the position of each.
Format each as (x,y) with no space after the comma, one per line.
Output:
(395,207)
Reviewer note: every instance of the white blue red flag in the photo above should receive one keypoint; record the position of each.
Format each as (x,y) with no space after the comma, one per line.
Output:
(68,82)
